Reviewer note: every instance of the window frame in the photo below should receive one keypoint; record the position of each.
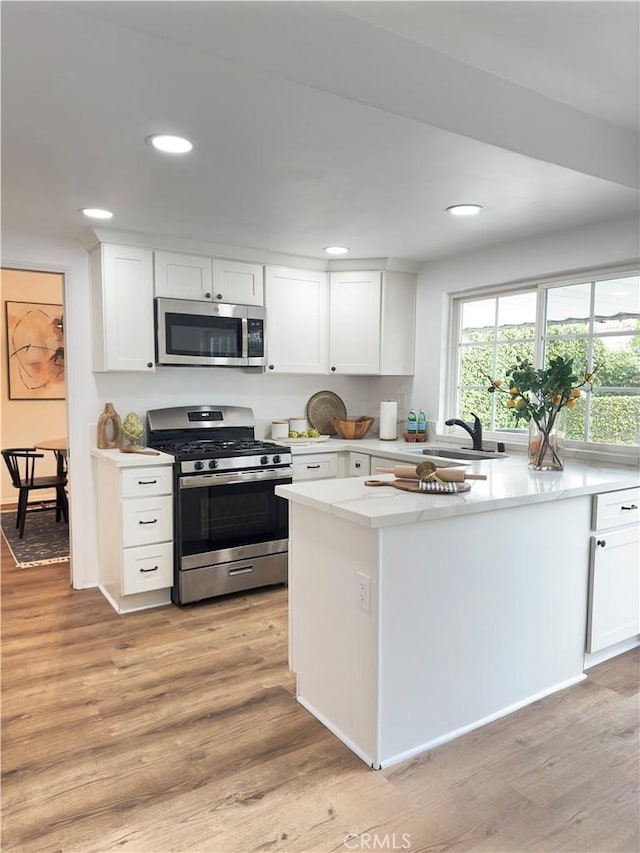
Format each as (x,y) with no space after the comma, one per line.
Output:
(540,286)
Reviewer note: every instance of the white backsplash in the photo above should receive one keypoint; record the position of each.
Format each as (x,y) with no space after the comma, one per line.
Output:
(271,396)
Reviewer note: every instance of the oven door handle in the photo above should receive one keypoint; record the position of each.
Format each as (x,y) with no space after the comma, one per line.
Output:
(198,481)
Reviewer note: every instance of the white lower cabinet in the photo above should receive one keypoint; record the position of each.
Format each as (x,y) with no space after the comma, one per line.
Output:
(135,532)
(614,577)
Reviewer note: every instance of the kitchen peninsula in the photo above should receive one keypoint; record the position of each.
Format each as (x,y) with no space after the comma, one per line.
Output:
(417,617)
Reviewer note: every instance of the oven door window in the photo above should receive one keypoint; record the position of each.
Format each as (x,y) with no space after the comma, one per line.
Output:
(205,337)
(231,515)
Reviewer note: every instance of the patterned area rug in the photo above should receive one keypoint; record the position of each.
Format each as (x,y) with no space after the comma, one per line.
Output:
(44,540)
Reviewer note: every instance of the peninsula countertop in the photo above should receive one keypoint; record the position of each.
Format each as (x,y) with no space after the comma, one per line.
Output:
(509,483)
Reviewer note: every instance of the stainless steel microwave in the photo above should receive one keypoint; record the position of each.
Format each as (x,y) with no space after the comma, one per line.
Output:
(209,334)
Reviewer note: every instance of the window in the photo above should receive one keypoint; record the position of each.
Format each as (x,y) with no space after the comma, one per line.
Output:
(595,320)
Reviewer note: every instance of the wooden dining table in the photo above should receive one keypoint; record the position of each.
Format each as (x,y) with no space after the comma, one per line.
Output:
(60,447)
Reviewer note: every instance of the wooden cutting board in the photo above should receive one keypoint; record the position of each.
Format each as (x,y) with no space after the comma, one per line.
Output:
(414,486)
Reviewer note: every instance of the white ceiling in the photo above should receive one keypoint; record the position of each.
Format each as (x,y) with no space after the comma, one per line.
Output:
(319,123)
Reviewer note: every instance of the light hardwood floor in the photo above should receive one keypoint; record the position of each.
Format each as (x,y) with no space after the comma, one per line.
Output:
(177,730)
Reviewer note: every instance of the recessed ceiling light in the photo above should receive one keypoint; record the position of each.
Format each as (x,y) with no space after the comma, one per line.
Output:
(96,213)
(464,209)
(336,250)
(170,144)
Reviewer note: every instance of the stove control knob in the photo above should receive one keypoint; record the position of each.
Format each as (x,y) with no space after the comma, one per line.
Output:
(213,463)
(198,465)
(276,459)
(264,460)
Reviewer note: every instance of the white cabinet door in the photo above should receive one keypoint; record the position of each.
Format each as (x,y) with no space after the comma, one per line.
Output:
(359,464)
(614,588)
(354,322)
(122,308)
(238,283)
(179,276)
(297,317)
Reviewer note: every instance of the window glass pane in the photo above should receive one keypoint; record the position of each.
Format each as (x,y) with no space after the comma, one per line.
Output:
(474,401)
(504,418)
(576,421)
(478,320)
(476,365)
(577,349)
(614,417)
(618,361)
(516,316)
(617,305)
(568,309)
(508,354)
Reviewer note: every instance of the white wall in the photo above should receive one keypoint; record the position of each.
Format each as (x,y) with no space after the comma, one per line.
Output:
(609,243)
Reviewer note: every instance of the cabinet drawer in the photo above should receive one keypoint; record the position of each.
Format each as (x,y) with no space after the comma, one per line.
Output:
(315,466)
(147,520)
(613,509)
(148,567)
(138,482)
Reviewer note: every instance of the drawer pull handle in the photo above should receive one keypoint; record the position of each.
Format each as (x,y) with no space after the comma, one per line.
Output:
(633,506)
(153,521)
(147,482)
(312,467)
(601,542)
(154,569)
(240,571)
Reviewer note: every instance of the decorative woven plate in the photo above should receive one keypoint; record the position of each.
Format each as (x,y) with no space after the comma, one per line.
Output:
(321,408)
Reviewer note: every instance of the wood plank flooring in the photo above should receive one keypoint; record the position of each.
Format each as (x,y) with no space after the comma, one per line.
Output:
(176,729)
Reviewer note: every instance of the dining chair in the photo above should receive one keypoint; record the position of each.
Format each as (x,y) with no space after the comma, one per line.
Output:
(21,462)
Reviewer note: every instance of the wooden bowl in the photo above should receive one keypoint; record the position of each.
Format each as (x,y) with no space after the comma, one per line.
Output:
(351,428)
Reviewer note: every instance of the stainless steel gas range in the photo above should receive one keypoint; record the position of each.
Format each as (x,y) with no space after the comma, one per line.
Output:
(231,529)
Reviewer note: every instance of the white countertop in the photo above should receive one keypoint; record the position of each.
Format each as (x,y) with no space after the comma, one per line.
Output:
(510,483)
(131,460)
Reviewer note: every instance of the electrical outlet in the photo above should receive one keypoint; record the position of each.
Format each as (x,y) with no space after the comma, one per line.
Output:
(364,591)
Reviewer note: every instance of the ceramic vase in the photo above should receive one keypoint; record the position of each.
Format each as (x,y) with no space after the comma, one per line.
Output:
(109,428)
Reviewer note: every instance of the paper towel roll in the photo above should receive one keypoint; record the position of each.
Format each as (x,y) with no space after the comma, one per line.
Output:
(388,420)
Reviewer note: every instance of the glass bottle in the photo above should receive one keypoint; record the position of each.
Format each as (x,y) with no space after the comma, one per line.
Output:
(422,422)
(412,423)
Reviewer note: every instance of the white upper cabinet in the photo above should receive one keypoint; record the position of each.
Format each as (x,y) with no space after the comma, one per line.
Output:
(181,276)
(354,322)
(238,283)
(122,308)
(372,323)
(297,314)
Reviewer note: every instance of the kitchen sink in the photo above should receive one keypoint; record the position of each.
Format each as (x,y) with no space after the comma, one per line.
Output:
(452,453)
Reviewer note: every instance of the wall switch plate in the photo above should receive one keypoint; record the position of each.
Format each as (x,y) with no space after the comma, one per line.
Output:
(364,591)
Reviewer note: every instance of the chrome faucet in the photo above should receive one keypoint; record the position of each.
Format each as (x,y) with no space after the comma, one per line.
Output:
(474,431)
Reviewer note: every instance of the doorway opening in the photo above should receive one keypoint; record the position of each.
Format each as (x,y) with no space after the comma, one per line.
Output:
(33,396)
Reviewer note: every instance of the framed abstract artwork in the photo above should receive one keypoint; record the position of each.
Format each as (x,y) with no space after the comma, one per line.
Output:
(35,351)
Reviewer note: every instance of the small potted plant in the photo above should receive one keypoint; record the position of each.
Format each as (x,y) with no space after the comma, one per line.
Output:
(541,397)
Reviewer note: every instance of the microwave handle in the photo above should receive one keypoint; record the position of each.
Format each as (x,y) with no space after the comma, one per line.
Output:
(245,338)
